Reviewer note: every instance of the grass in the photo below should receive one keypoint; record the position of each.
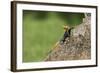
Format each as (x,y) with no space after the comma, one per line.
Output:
(39,36)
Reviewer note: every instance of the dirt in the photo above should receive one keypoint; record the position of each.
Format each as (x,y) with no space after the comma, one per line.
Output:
(76,47)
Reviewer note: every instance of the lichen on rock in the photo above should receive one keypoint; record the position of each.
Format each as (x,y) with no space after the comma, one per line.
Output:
(77,46)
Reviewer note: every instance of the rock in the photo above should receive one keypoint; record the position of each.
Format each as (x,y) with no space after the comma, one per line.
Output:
(76,47)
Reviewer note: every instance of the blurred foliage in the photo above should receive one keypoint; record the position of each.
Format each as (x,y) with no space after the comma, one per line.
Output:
(72,18)
(42,29)
(75,18)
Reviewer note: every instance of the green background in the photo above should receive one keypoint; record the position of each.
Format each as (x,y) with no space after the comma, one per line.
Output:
(42,29)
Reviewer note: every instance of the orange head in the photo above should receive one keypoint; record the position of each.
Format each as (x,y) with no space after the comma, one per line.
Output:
(66,27)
